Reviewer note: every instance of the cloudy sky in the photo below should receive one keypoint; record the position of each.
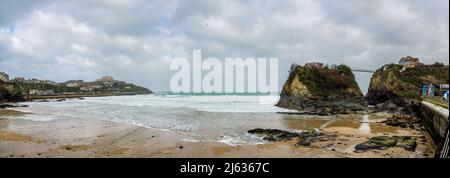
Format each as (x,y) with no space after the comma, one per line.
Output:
(136,40)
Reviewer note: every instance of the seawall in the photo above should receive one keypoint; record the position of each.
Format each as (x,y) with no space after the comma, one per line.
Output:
(435,120)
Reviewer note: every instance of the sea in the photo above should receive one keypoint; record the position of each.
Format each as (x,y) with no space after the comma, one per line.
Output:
(222,118)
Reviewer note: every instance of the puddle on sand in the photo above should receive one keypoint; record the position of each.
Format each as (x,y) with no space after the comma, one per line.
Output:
(361,123)
(364,125)
(304,124)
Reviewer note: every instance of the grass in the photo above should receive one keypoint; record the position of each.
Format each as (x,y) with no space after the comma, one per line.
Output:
(438,102)
(338,81)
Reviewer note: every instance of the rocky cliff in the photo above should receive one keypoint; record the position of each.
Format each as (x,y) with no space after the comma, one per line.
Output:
(11,92)
(322,90)
(396,88)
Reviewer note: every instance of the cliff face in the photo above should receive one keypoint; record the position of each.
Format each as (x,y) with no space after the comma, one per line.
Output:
(399,86)
(11,92)
(322,90)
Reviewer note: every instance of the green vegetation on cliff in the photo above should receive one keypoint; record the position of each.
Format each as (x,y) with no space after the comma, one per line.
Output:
(11,92)
(393,81)
(326,81)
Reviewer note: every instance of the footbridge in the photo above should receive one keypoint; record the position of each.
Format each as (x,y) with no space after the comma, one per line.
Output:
(364,70)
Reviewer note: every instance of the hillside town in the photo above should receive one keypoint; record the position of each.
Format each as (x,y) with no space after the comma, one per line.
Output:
(35,88)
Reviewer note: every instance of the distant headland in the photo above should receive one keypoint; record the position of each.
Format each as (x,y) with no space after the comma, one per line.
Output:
(21,89)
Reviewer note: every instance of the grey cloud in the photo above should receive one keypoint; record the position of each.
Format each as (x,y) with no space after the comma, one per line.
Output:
(12,10)
(135,40)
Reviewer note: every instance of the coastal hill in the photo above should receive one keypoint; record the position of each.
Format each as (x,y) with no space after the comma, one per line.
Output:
(10,91)
(323,90)
(400,85)
(19,89)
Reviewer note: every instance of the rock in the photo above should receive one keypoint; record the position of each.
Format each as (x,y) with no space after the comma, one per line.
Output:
(304,142)
(384,142)
(42,101)
(322,91)
(407,143)
(304,138)
(59,100)
(380,143)
(274,134)
(404,121)
(3,106)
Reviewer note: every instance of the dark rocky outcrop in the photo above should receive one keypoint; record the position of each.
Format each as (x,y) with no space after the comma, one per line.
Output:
(396,88)
(404,121)
(274,134)
(3,106)
(303,138)
(11,92)
(385,142)
(322,91)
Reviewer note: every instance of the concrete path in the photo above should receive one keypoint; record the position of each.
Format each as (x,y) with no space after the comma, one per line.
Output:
(441,110)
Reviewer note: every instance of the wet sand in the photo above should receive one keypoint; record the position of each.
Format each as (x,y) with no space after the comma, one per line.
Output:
(98,138)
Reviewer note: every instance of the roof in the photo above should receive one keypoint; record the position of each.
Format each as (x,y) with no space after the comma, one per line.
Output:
(409,59)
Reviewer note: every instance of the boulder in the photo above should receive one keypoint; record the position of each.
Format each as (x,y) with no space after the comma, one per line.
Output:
(303,138)
(403,121)
(322,91)
(385,142)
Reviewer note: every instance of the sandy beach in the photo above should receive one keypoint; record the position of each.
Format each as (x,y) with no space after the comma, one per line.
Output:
(98,138)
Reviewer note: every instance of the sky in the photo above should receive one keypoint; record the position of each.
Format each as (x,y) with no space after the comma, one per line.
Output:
(135,40)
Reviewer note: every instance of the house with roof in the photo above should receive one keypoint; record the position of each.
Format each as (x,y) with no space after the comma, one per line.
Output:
(409,62)
(316,65)
(19,79)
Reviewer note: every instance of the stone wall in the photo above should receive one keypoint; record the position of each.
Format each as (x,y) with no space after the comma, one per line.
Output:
(435,119)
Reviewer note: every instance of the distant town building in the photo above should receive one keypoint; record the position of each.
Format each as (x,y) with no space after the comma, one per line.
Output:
(105,79)
(4,77)
(42,93)
(316,65)
(33,81)
(409,62)
(48,92)
(48,82)
(74,83)
(19,79)
(90,86)
(34,92)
